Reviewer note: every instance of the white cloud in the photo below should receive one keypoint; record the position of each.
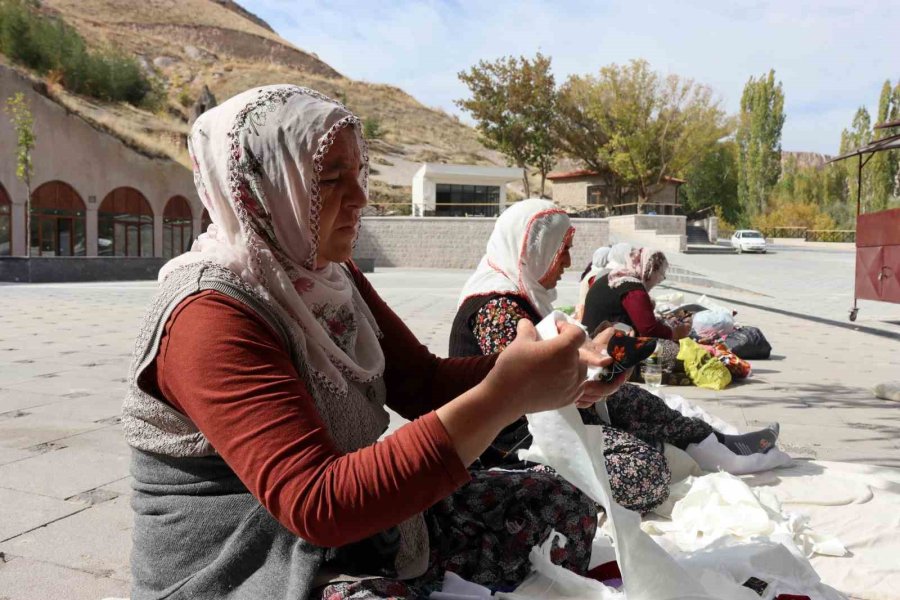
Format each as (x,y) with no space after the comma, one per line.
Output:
(831,55)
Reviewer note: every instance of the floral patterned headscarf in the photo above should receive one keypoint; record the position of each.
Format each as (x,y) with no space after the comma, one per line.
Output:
(528,241)
(257,159)
(639,267)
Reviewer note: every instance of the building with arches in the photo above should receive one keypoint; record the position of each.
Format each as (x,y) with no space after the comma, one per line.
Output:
(93,195)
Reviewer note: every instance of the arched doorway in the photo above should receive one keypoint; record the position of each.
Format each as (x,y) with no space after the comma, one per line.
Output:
(57,221)
(5,223)
(178,231)
(125,224)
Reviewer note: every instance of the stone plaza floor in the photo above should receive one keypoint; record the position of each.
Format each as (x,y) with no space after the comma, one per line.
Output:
(65,349)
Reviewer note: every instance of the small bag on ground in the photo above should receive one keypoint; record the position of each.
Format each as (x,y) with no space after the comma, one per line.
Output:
(749,343)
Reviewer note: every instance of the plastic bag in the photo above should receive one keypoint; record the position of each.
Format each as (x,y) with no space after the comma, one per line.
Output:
(749,343)
(713,324)
(704,370)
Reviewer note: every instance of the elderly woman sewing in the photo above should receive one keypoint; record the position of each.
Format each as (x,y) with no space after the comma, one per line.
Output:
(258,391)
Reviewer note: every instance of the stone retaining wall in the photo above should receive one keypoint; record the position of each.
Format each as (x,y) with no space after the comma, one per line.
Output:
(451,242)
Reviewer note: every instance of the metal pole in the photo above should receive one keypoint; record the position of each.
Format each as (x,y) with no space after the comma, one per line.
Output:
(858,184)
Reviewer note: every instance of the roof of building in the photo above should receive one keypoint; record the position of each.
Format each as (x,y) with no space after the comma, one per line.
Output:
(589,173)
(440,170)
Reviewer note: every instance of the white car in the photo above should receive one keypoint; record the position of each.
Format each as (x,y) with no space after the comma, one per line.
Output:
(748,240)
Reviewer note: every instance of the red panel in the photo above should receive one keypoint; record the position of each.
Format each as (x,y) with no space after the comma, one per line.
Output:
(868,266)
(878,229)
(890,291)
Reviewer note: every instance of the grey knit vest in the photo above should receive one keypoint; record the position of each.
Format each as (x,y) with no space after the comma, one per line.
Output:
(153,426)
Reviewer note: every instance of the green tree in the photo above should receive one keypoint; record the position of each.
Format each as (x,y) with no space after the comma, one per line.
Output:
(859,134)
(643,127)
(760,121)
(513,101)
(883,165)
(712,182)
(23,124)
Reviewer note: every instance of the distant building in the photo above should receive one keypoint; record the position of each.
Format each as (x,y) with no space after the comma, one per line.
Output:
(441,190)
(583,190)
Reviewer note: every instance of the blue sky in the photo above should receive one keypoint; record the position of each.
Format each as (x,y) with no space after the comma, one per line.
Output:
(831,55)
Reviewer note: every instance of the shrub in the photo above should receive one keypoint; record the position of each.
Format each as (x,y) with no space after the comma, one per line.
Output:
(49,46)
(372,128)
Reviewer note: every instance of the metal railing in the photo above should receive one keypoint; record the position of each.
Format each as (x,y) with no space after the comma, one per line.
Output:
(831,235)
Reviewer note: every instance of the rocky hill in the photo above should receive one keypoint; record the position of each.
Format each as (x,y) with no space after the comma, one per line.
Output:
(806,159)
(187,44)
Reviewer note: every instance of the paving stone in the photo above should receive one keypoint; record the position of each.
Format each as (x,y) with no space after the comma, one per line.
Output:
(32,430)
(19,399)
(21,512)
(94,540)
(64,473)
(27,579)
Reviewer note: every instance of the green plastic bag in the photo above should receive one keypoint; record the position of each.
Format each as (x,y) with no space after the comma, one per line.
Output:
(702,367)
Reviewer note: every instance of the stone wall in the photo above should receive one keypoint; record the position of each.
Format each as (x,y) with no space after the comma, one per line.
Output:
(80,268)
(452,243)
(663,232)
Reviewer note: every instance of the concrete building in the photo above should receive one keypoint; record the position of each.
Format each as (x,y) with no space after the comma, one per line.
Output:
(92,194)
(584,190)
(441,190)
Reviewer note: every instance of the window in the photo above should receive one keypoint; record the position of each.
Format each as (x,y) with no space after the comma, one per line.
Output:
(125,224)
(5,223)
(455,200)
(751,234)
(57,221)
(178,227)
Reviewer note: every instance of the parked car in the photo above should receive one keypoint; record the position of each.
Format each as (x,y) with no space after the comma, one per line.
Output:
(748,240)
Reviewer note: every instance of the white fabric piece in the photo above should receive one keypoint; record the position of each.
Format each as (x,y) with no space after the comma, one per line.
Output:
(722,506)
(889,390)
(561,441)
(528,239)
(550,581)
(712,455)
(712,304)
(688,409)
(455,587)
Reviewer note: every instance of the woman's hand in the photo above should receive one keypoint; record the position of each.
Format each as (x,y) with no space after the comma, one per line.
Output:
(681,331)
(594,354)
(541,375)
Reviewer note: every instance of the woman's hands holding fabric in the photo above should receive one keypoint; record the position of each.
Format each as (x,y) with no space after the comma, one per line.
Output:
(593,353)
(681,330)
(541,375)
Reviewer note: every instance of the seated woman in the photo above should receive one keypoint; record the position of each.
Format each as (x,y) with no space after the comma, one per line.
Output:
(621,296)
(526,256)
(257,394)
(604,260)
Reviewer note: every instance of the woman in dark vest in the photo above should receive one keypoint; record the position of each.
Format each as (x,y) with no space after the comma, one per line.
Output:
(516,279)
(621,296)
(527,254)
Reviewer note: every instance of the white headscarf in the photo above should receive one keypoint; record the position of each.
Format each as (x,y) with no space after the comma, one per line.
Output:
(528,240)
(605,259)
(639,267)
(257,159)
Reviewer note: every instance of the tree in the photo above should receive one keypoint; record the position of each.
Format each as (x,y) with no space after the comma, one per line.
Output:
(758,139)
(883,165)
(643,127)
(712,182)
(23,124)
(859,134)
(514,105)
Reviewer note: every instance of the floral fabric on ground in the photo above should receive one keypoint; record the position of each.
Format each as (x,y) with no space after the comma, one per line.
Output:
(485,531)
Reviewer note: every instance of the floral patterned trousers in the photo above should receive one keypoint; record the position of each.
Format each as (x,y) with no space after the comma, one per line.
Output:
(485,530)
(646,416)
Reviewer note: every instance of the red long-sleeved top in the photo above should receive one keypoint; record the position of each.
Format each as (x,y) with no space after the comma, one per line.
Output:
(223,366)
(639,307)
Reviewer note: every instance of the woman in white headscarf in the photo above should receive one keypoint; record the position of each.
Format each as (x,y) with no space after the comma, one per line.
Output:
(526,255)
(604,260)
(258,390)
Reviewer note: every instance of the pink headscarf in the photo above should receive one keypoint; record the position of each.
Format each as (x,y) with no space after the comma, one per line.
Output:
(639,267)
